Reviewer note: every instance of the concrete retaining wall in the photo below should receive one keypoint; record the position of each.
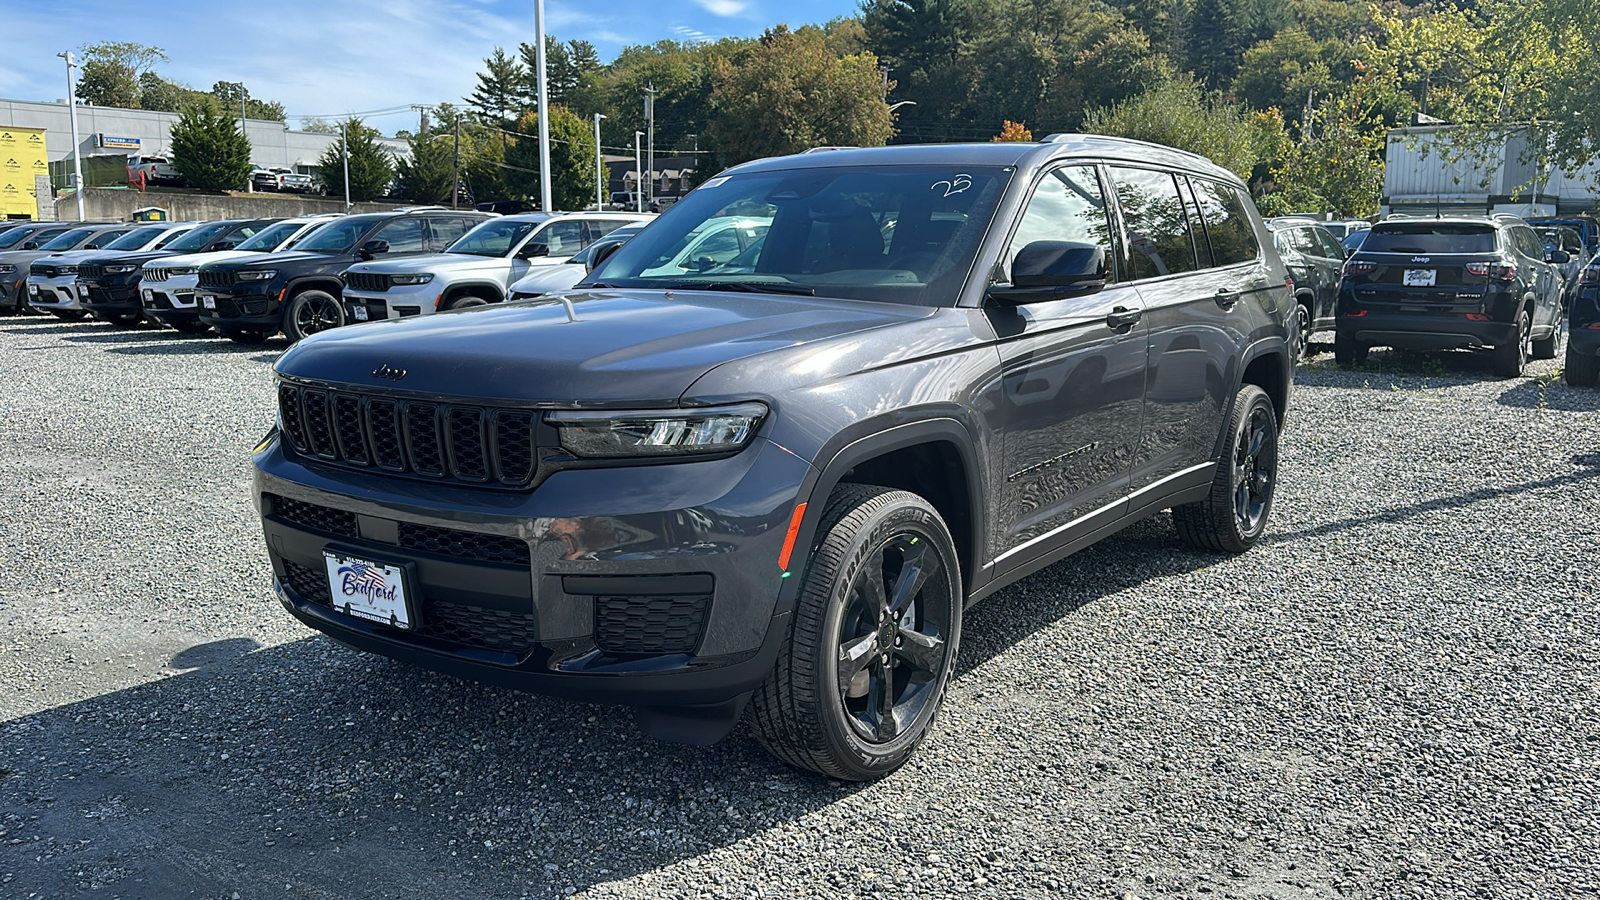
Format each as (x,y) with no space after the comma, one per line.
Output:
(116,205)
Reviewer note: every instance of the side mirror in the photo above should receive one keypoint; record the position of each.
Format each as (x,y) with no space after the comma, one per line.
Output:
(1052,270)
(373,248)
(30,245)
(601,254)
(91,246)
(533,250)
(1559,257)
(225,245)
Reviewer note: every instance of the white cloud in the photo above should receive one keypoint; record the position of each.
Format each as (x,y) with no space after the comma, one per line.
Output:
(724,7)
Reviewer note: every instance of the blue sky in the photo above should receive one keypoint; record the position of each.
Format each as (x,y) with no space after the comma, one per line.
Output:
(356,55)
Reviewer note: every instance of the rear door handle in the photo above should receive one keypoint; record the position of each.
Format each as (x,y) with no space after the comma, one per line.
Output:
(1121,318)
(1227,297)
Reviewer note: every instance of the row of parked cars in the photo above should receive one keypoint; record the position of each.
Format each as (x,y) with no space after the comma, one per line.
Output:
(1492,283)
(250,279)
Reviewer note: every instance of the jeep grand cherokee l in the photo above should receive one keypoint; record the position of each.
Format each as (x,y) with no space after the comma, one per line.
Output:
(53,285)
(109,284)
(166,285)
(1445,284)
(778,483)
(252,298)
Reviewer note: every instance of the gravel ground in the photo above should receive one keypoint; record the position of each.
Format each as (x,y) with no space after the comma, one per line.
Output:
(1394,696)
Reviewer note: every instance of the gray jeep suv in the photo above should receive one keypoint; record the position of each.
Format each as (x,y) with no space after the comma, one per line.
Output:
(775,482)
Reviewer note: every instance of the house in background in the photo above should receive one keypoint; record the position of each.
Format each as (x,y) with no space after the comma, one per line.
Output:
(670,179)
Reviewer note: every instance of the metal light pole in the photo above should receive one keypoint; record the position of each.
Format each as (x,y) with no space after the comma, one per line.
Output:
(599,167)
(544,112)
(638,181)
(72,108)
(455,189)
(650,134)
(345,146)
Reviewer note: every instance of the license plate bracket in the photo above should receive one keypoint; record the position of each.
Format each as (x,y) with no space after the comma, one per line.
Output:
(1421,277)
(209,301)
(371,590)
(360,312)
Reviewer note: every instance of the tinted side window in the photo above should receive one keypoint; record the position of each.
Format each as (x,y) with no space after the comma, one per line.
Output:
(599,228)
(1331,247)
(1530,241)
(1158,232)
(1068,205)
(1233,238)
(169,237)
(403,235)
(563,238)
(443,231)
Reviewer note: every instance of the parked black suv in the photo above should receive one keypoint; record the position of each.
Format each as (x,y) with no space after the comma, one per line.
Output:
(1444,284)
(109,284)
(1315,260)
(249,299)
(780,479)
(1583,331)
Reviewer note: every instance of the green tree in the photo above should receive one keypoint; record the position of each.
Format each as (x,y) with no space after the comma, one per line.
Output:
(314,125)
(1548,53)
(571,160)
(111,72)
(790,93)
(1283,70)
(499,93)
(1179,113)
(371,168)
(209,151)
(933,50)
(426,175)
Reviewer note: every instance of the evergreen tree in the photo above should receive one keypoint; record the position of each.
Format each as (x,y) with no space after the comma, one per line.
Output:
(209,151)
(498,96)
(371,169)
(425,177)
(571,160)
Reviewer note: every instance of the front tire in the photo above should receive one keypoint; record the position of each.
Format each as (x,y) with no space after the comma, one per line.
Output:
(1346,352)
(466,301)
(1582,369)
(310,312)
(872,643)
(1234,516)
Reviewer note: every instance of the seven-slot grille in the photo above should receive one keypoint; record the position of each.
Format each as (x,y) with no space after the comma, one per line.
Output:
(432,440)
(366,281)
(216,279)
(154,274)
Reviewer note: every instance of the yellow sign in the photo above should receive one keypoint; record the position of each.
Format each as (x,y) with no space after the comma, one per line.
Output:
(22,156)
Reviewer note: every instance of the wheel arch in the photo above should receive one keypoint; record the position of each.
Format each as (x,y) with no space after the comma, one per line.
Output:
(488,290)
(327,283)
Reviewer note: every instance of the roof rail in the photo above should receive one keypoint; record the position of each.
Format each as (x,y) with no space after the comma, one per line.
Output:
(833,147)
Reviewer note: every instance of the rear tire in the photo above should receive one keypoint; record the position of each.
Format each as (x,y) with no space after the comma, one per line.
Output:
(1512,356)
(1548,348)
(1346,352)
(1582,370)
(1302,329)
(1235,514)
(881,600)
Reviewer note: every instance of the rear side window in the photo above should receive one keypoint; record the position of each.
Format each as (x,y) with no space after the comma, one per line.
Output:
(1158,232)
(446,231)
(1331,247)
(403,235)
(1233,238)
(1528,242)
(1437,237)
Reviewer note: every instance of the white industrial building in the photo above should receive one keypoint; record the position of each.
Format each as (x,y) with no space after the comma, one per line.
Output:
(135,132)
(1423,176)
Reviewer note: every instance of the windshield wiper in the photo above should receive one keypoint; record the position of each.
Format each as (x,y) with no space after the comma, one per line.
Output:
(745,287)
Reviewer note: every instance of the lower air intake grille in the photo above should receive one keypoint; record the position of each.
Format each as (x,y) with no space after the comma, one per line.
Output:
(650,625)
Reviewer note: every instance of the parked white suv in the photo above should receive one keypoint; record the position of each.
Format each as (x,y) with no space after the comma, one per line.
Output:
(166,285)
(477,269)
(53,287)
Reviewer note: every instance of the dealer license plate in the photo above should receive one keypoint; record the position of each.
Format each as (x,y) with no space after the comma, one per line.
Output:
(148,295)
(33,290)
(1421,277)
(361,313)
(368,590)
(83,291)
(209,301)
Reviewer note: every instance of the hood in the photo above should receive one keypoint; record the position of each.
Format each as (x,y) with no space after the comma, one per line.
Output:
(253,260)
(433,262)
(545,279)
(21,258)
(66,257)
(198,259)
(625,349)
(102,258)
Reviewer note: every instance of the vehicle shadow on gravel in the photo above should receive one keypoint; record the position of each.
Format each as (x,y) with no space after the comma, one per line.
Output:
(1549,393)
(346,774)
(206,345)
(50,326)
(1453,366)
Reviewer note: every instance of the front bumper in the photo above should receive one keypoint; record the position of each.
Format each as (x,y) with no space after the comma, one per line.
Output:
(398,302)
(648,585)
(228,309)
(110,297)
(1425,331)
(54,293)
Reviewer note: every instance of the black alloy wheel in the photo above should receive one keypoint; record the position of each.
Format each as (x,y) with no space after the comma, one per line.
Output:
(1235,514)
(1302,331)
(872,642)
(310,312)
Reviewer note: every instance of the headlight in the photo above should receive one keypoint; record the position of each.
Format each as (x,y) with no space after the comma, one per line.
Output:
(8,270)
(66,270)
(182,270)
(120,270)
(657,433)
(259,275)
(419,278)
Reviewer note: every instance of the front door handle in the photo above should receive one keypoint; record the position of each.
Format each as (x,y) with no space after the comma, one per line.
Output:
(1122,318)
(1227,297)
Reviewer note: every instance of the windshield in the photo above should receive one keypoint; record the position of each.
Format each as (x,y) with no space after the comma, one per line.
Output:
(16,237)
(495,237)
(68,240)
(270,237)
(198,238)
(1437,237)
(896,234)
(337,236)
(137,238)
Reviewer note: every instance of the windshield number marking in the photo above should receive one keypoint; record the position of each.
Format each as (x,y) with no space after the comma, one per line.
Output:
(954,186)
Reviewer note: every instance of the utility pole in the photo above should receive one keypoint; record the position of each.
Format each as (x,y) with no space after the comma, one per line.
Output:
(344,143)
(650,139)
(599,168)
(72,107)
(638,186)
(544,112)
(249,182)
(455,188)
(886,70)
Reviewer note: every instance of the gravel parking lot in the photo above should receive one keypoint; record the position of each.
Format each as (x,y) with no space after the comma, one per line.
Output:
(1394,696)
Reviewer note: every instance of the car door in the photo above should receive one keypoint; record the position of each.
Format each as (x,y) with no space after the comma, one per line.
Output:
(1330,265)
(1072,379)
(1547,293)
(1189,303)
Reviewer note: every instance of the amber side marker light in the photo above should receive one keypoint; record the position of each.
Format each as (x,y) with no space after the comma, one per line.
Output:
(788,539)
